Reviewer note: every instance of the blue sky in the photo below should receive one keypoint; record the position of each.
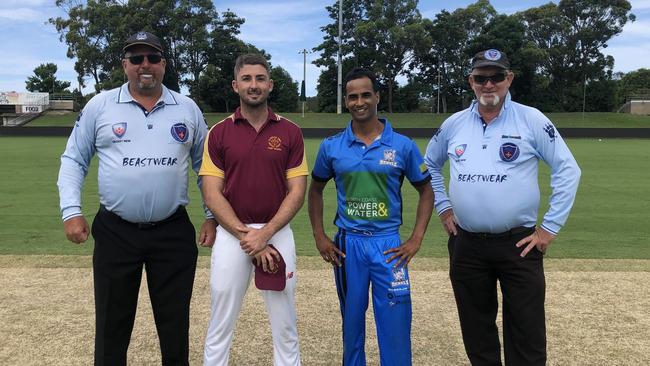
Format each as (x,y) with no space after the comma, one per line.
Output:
(283,28)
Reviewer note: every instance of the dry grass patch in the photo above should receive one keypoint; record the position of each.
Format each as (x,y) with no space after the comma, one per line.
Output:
(597,315)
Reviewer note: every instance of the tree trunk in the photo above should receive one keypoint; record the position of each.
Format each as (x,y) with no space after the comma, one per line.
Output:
(390,95)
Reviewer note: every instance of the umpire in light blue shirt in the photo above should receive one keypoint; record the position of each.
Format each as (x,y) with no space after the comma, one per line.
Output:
(144,136)
(490,214)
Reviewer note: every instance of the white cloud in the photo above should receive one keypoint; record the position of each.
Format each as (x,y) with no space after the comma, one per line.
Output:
(629,58)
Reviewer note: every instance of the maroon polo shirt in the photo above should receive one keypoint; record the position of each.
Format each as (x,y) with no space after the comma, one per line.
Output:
(255,165)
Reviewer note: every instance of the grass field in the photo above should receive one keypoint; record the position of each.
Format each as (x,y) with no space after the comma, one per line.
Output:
(422,120)
(609,219)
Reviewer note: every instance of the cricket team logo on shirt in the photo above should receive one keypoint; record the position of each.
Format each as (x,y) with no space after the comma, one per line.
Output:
(509,152)
(274,143)
(179,132)
(119,129)
(460,150)
(389,158)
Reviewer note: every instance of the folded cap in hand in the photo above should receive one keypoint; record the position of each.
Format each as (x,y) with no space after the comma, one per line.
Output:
(275,281)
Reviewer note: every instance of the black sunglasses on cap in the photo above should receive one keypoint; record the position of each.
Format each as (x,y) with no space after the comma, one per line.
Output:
(482,79)
(152,58)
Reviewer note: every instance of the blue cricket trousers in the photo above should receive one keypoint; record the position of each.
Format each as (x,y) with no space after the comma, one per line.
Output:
(365,263)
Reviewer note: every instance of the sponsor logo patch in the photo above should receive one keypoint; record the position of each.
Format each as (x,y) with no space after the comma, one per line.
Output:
(509,152)
(119,129)
(179,132)
(460,150)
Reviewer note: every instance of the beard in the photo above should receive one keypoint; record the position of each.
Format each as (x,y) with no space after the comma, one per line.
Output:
(489,103)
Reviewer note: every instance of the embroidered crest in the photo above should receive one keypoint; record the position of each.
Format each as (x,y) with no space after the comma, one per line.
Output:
(179,132)
(509,152)
(275,143)
(492,55)
(119,129)
(460,150)
(141,36)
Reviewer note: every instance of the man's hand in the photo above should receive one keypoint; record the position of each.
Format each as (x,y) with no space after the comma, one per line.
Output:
(253,241)
(269,259)
(448,221)
(208,233)
(328,250)
(540,239)
(76,229)
(404,252)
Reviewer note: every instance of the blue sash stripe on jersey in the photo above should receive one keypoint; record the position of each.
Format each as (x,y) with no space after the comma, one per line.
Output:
(339,272)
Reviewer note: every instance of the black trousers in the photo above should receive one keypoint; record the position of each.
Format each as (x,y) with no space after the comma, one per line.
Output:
(477,262)
(168,252)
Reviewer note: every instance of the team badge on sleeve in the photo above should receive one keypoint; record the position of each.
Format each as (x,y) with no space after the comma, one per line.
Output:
(179,132)
(550,130)
(119,129)
(509,152)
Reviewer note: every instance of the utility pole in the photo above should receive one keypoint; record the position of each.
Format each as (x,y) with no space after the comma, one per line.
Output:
(339,92)
(438,99)
(303,91)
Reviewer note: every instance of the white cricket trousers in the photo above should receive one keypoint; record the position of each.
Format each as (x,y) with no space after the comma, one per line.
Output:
(230,274)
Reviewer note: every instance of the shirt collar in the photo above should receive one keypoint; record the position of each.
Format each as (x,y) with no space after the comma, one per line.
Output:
(124,96)
(386,134)
(506,104)
(237,116)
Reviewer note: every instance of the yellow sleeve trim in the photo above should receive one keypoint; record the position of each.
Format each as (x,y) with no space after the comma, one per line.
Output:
(300,170)
(207,166)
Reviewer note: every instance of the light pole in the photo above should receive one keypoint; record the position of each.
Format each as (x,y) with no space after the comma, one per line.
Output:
(303,90)
(340,66)
(438,99)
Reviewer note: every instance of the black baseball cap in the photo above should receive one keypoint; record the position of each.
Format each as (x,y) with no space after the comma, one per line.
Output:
(144,38)
(491,57)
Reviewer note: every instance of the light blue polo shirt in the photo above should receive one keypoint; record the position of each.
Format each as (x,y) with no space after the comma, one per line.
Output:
(143,156)
(369,178)
(493,185)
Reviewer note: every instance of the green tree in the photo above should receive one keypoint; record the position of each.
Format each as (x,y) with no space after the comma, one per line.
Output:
(390,34)
(351,52)
(45,81)
(284,97)
(448,52)
(215,84)
(571,36)
(95,31)
(634,83)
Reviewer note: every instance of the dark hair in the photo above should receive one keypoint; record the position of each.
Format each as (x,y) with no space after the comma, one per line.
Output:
(250,59)
(359,73)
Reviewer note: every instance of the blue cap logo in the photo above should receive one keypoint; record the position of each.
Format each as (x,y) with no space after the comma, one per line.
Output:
(492,55)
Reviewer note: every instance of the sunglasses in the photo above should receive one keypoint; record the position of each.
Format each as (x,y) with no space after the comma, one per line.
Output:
(495,79)
(152,58)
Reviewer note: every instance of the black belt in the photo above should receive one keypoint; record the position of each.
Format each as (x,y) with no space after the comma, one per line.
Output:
(146,225)
(504,235)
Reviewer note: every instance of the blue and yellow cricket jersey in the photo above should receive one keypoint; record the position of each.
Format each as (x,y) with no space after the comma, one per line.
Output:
(369,178)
